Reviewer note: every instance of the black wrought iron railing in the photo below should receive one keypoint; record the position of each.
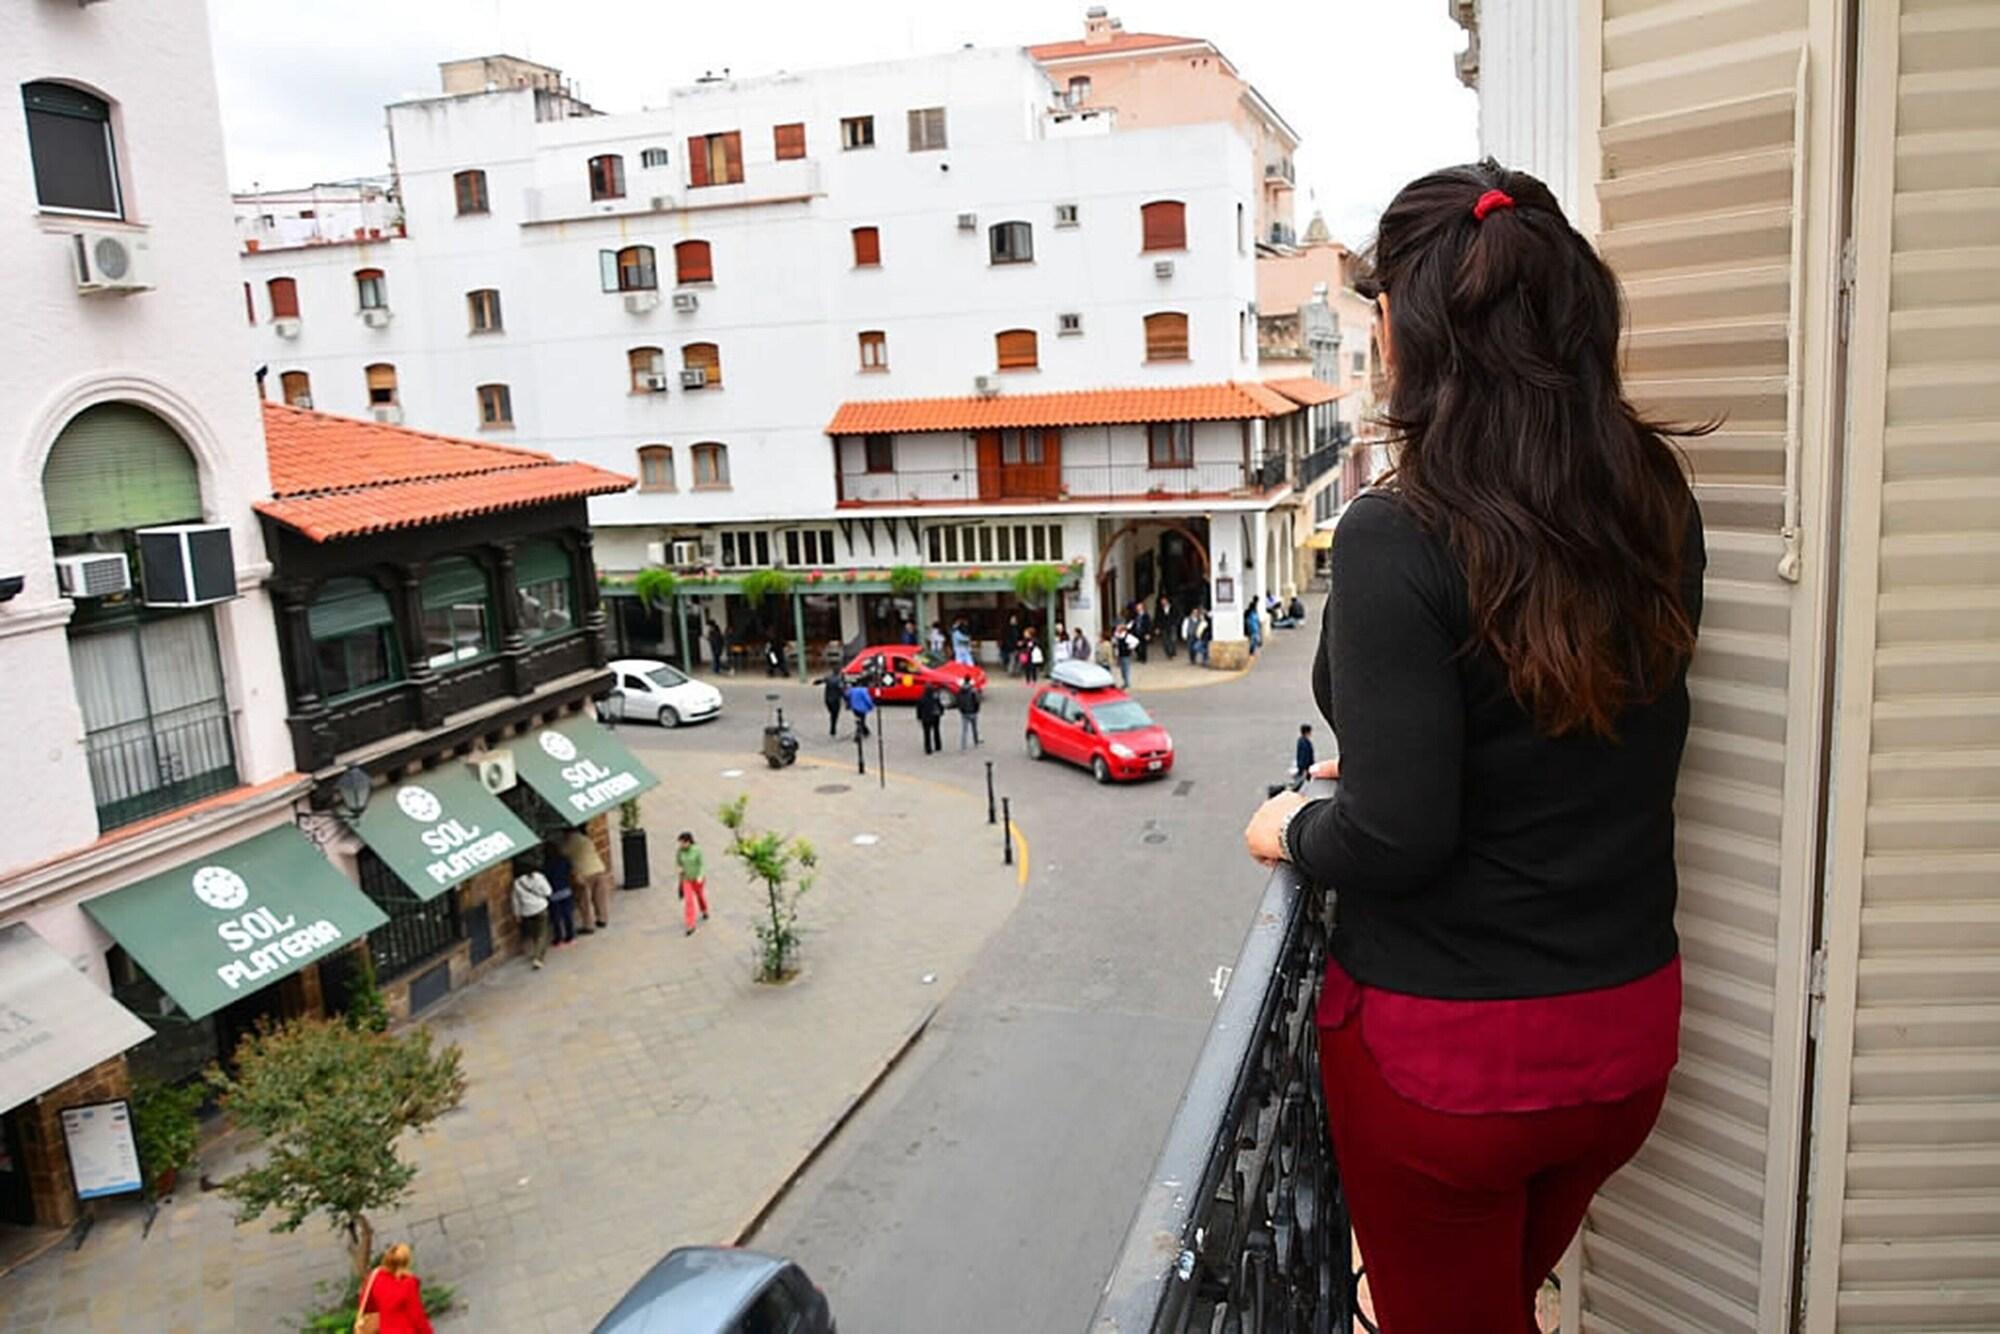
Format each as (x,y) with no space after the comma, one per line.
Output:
(1316,464)
(1243,1226)
(153,764)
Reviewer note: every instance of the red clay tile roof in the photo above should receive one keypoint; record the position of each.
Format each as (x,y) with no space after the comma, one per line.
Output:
(1305,391)
(1227,401)
(338,477)
(1120,42)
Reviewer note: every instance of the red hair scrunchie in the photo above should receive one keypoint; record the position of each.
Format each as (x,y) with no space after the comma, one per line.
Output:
(1489,201)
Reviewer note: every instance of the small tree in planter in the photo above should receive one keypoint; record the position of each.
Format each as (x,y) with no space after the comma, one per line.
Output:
(164,1131)
(330,1101)
(769,858)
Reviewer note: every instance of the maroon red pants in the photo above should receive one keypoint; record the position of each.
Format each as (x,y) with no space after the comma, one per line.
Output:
(1461,1217)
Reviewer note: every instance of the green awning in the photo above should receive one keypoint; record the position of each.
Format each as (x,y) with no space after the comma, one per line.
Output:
(580,769)
(441,827)
(221,927)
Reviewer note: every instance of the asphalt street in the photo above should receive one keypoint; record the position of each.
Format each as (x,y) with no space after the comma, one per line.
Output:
(987,1185)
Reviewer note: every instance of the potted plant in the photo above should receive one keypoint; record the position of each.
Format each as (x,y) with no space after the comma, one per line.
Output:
(1036,584)
(656,587)
(164,1131)
(632,845)
(906,580)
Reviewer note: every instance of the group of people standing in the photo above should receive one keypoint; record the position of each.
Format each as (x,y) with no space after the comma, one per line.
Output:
(843,695)
(557,884)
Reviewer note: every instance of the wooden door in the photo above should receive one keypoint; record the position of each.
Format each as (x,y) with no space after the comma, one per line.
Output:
(988,447)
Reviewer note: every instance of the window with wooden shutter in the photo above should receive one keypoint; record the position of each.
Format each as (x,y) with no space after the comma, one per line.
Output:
(483,310)
(1163,225)
(706,358)
(656,468)
(296,386)
(647,367)
(1015,349)
(788,141)
(371,290)
(732,158)
(284,294)
(117,466)
(867,247)
(632,269)
(70,148)
(692,263)
(1167,336)
(381,379)
(496,405)
(857,132)
(711,466)
(874,350)
(607,177)
(715,159)
(469,191)
(926,129)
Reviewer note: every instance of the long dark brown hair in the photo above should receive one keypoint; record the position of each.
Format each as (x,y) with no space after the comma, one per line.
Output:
(1567,509)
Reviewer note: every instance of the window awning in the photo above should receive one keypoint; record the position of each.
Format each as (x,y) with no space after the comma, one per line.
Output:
(440,828)
(57,1024)
(1321,540)
(580,768)
(223,926)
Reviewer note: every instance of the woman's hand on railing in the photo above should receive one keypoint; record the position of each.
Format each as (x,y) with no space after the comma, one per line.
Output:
(1261,835)
(1325,769)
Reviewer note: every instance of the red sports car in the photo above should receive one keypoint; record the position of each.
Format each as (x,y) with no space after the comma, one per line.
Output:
(1098,726)
(896,674)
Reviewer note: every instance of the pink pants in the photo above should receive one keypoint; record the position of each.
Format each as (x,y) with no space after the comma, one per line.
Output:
(694,897)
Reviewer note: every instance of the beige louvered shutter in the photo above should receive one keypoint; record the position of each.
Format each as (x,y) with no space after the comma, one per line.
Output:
(1712,131)
(1905,1228)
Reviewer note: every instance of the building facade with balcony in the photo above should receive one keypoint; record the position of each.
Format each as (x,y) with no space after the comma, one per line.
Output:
(692,294)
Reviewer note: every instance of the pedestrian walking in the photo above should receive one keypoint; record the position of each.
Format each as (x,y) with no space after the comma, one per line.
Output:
(1302,753)
(562,899)
(937,639)
(1106,658)
(531,909)
(590,878)
(967,700)
(392,1298)
(1010,643)
(775,663)
(909,632)
(694,879)
(1079,647)
(1170,627)
(861,703)
(1205,636)
(1124,644)
(715,645)
(930,717)
(1253,628)
(961,643)
(1142,630)
(833,693)
(1031,657)
(1059,646)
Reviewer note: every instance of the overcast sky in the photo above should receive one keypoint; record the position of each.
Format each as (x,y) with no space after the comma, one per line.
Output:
(1368,84)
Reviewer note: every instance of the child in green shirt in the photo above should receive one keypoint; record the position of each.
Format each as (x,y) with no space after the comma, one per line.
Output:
(693,882)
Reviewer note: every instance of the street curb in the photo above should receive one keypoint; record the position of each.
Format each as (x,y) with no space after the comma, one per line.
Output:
(742,1235)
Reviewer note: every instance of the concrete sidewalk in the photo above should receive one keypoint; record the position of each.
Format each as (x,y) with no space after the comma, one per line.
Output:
(639,1093)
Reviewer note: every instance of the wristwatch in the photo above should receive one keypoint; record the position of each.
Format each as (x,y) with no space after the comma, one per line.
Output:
(1285,832)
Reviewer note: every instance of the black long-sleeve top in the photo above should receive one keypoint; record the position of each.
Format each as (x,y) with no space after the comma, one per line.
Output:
(1473,857)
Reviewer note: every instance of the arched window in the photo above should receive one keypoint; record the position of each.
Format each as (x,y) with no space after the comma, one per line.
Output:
(69,141)
(457,612)
(117,466)
(468,189)
(544,588)
(1010,242)
(648,369)
(284,298)
(692,264)
(634,271)
(874,350)
(381,384)
(371,289)
(711,467)
(354,638)
(706,358)
(656,468)
(483,310)
(297,388)
(1167,336)
(607,177)
(1163,225)
(1015,349)
(867,247)
(496,406)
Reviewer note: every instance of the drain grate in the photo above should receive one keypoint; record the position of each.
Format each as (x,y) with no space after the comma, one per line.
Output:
(1185,786)
(832,789)
(1155,837)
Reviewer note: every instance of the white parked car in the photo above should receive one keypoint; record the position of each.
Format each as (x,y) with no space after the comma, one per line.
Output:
(659,692)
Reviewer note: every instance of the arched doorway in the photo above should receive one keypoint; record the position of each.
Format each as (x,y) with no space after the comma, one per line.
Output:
(1174,561)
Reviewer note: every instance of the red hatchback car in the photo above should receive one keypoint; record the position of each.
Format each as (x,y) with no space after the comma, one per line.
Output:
(1098,726)
(906,675)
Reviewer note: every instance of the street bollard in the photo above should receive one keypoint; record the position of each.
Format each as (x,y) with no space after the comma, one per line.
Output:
(881,762)
(860,748)
(992,816)
(1006,833)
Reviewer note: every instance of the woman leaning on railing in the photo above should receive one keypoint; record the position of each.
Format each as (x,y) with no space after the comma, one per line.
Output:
(1504,667)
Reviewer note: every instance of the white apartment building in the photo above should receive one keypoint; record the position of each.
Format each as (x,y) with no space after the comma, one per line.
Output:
(836,321)
(144,708)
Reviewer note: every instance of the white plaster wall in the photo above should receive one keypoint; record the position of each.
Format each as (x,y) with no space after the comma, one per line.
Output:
(1527,90)
(181,350)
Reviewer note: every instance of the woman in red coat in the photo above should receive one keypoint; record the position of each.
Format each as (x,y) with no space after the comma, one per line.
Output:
(394,1296)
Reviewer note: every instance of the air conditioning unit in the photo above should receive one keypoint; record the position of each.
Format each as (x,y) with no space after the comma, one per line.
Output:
(186,564)
(694,379)
(638,303)
(302,401)
(108,261)
(494,769)
(968,222)
(389,414)
(986,386)
(663,203)
(286,326)
(686,302)
(97,575)
(655,384)
(656,553)
(1163,268)
(376,317)
(687,554)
